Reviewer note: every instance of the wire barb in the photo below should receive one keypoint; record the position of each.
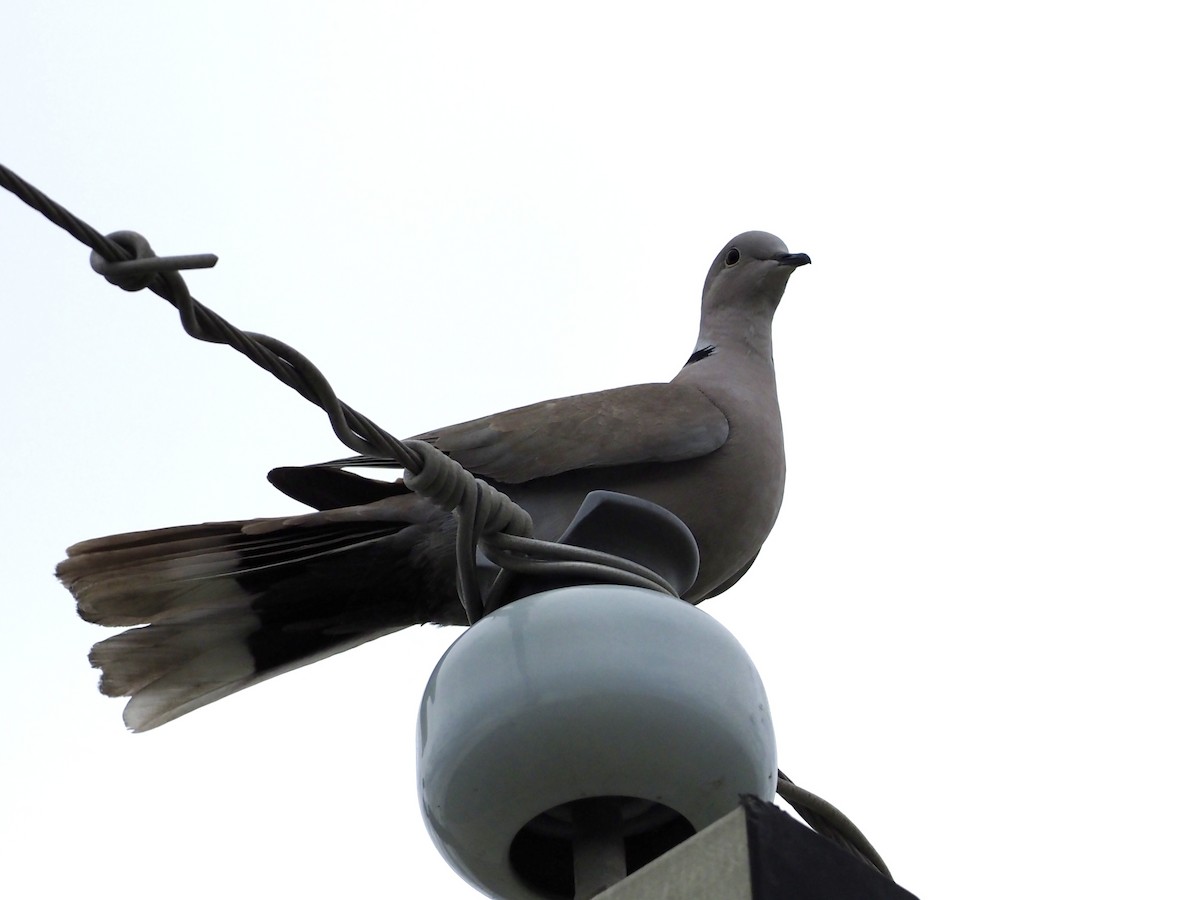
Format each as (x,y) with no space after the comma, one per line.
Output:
(137,273)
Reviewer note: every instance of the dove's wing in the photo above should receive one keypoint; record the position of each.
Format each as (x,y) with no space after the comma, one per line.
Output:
(643,423)
(637,424)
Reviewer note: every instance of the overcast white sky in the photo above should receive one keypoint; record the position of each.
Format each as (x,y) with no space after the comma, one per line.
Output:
(975,616)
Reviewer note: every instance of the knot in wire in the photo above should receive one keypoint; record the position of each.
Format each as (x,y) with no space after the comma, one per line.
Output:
(143,266)
(481,511)
(445,482)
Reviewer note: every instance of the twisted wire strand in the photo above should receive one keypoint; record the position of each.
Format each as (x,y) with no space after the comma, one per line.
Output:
(466,541)
(826,819)
(486,517)
(78,229)
(523,554)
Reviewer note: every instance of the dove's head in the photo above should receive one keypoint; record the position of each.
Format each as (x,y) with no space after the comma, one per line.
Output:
(753,265)
(744,286)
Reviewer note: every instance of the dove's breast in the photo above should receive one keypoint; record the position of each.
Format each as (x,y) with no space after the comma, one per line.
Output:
(729,498)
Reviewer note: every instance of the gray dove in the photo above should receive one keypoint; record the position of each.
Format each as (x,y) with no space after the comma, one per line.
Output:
(225,605)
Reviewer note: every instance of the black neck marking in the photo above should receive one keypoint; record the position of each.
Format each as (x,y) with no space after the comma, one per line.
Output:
(701,354)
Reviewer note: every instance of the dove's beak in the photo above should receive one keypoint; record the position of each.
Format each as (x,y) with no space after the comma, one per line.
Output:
(794,260)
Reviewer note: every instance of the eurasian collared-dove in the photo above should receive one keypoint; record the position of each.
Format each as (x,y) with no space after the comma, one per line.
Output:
(226,605)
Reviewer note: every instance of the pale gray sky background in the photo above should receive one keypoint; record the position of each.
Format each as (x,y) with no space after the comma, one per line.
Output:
(975,616)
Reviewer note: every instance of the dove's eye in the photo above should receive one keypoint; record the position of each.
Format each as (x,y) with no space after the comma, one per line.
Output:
(732,257)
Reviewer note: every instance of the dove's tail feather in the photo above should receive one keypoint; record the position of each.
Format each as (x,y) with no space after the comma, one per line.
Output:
(226,605)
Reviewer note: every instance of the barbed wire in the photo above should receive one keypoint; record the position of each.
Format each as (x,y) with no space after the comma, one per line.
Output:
(486,516)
